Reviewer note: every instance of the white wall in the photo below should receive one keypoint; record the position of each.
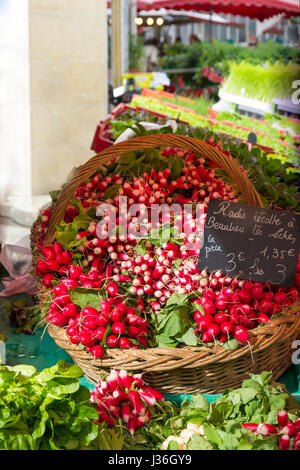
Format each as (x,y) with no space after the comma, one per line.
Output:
(15,167)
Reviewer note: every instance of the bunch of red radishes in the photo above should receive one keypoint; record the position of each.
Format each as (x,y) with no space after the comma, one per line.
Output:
(229,307)
(124,398)
(55,263)
(289,432)
(113,325)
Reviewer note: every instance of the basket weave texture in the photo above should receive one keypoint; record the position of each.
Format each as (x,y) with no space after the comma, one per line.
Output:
(188,369)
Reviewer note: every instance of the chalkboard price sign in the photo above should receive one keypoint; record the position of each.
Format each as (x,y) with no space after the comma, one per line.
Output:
(250,242)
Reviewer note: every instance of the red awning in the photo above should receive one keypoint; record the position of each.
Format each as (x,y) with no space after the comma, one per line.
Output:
(260,9)
(274,30)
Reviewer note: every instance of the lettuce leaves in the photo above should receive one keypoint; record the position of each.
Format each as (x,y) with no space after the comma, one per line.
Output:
(46,410)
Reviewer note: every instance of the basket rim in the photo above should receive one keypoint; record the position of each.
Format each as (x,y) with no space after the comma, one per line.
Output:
(260,338)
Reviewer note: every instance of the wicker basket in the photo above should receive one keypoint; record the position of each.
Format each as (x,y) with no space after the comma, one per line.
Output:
(188,369)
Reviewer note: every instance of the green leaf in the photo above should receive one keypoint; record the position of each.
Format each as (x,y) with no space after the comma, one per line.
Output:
(111,191)
(85,297)
(173,445)
(189,338)
(200,402)
(177,299)
(165,341)
(244,445)
(211,434)
(231,344)
(199,443)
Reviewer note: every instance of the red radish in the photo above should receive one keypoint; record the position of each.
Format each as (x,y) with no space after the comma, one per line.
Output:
(59,319)
(257,293)
(268,296)
(48,252)
(198,316)
(282,418)
(104,417)
(60,289)
(207,337)
(240,333)
(105,307)
(245,296)
(297,425)
(75,339)
(72,330)
(221,317)
(115,411)
(209,307)
(159,396)
(221,304)
(99,333)
(137,380)
(226,327)
(126,379)
(58,248)
(213,330)
(47,280)
(71,283)
(124,343)
(204,322)
(140,421)
(112,289)
(102,320)
(280,297)
(250,426)
(112,341)
(89,312)
(131,425)
(284,442)
(134,332)
(223,338)
(266,429)
(66,258)
(147,396)
(52,265)
(97,351)
(262,318)
(289,429)
(142,340)
(120,395)
(86,339)
(137,406)
(126,412)
(70,310)
(87,284)
(266,306)
(244,308)
(41,266)
(118,328)
(112,381)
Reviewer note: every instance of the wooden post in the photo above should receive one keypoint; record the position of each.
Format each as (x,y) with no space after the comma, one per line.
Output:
(116,61)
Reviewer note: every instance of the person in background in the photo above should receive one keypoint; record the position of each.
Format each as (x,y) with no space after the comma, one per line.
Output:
(194,38)
(152,53)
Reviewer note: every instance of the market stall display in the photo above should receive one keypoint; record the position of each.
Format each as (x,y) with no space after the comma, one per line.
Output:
(272,174)
(51,410)
(171,302)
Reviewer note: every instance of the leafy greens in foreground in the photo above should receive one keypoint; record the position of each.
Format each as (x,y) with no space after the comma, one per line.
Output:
(49,410)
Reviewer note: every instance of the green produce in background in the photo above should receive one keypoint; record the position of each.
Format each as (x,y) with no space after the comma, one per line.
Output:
(262,82)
